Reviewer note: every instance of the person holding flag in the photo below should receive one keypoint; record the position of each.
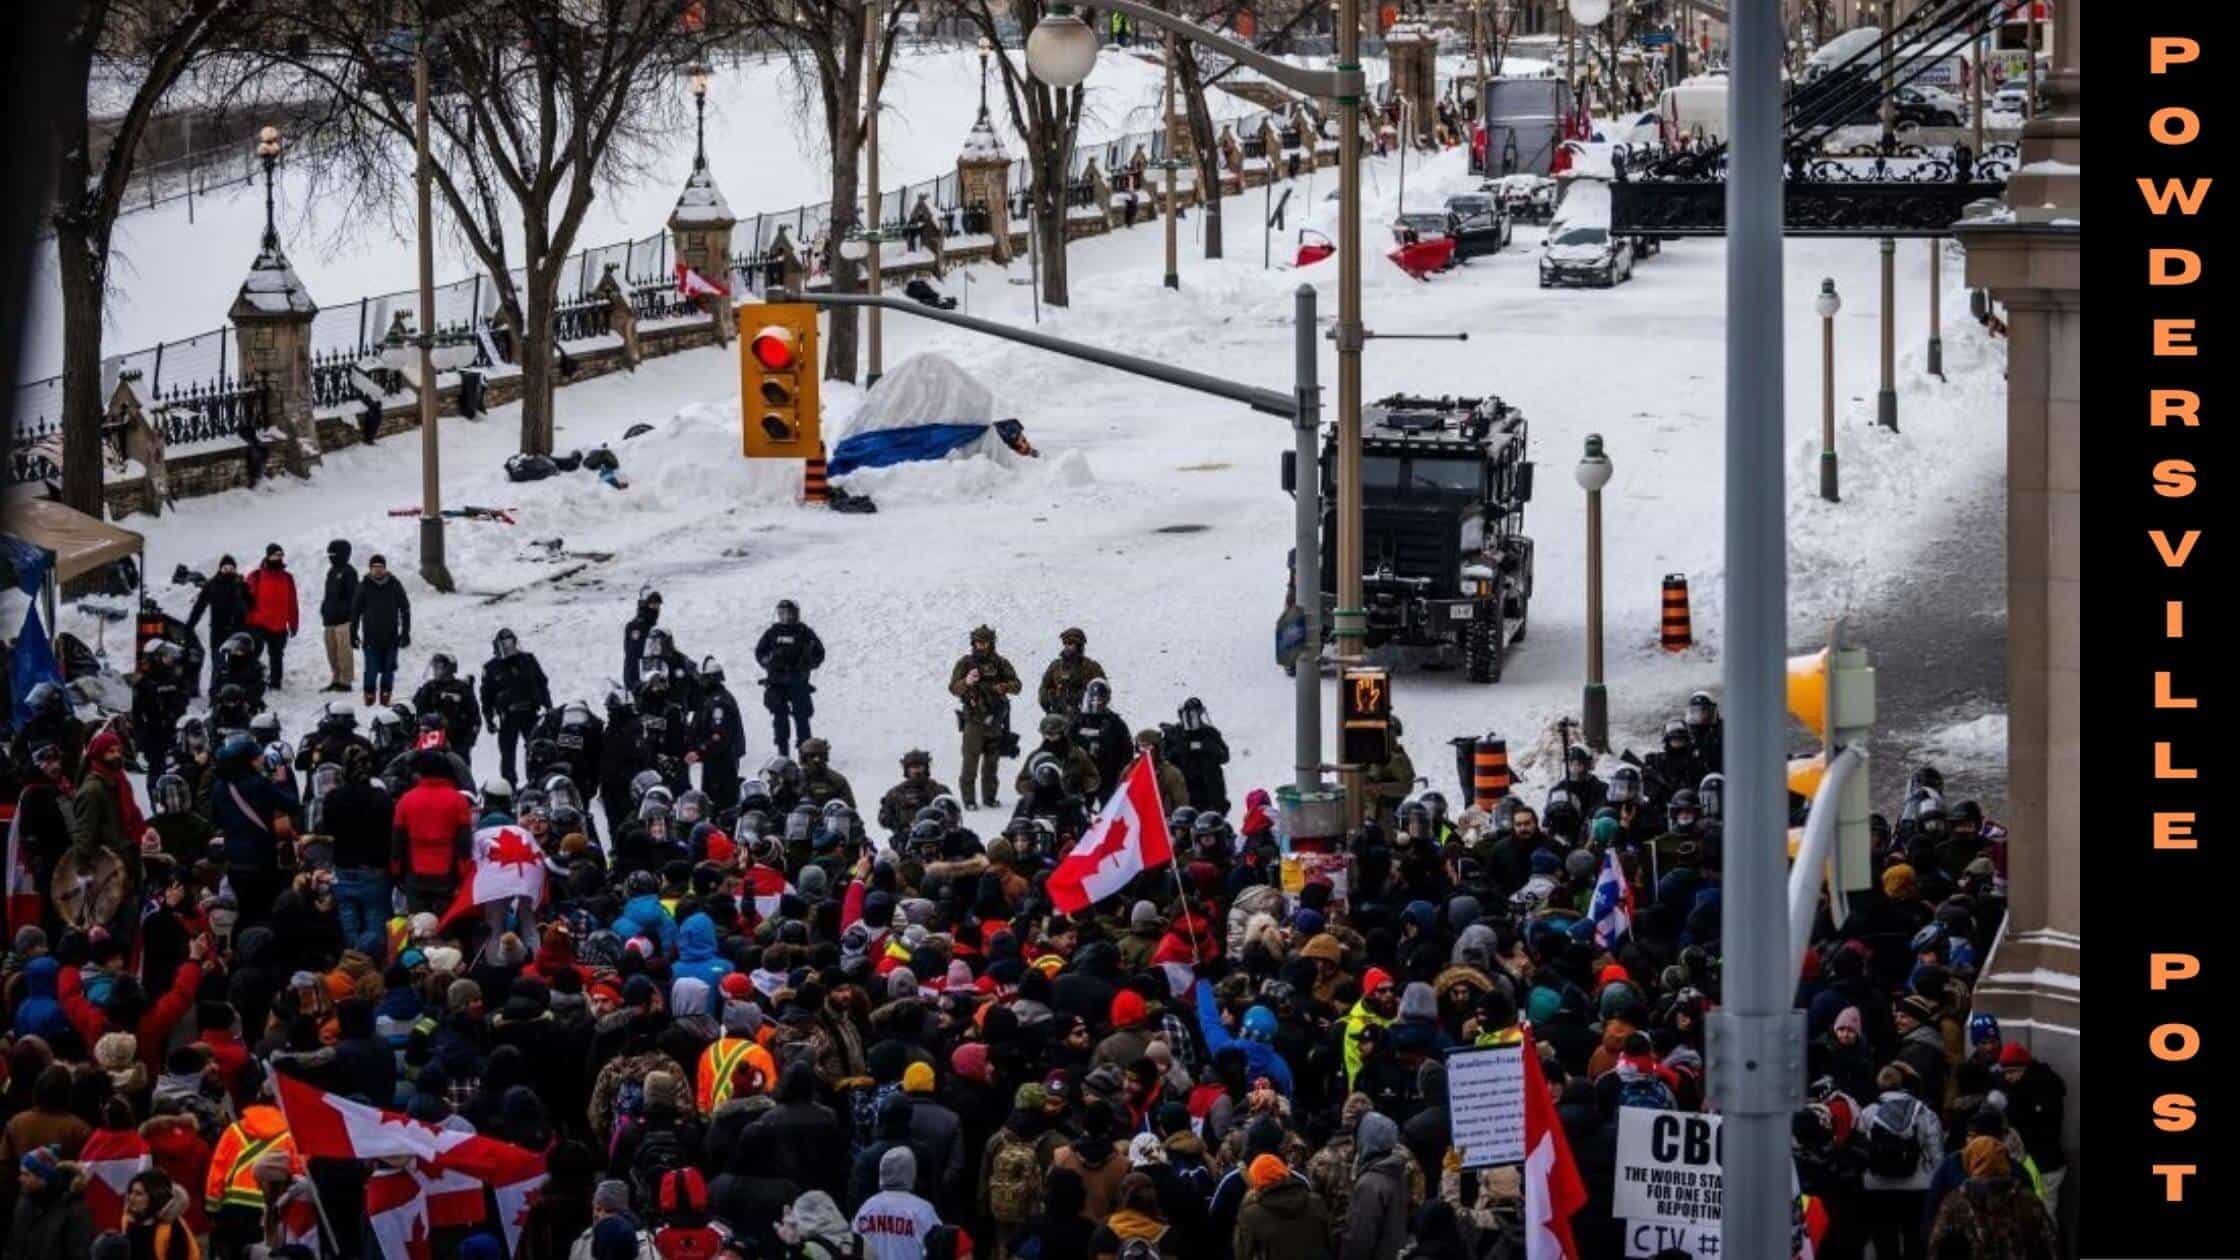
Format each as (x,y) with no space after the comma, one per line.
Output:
(1612,912)
(1128,838)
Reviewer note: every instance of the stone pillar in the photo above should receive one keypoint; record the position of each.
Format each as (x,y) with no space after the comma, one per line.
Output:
(700,228)
(1100,189)
(138,438)
(2030,263)
(1413,53)
(622,318)
(984,183)
(272,334)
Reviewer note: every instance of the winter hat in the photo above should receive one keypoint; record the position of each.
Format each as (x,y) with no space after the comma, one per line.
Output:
(1419,1001)
(666,1087)
(45,1163)
(1849,1018)
(2014,1054)
(1615,997)
(742,1019)
(1128,1009)
(1145,1149)
(614,1238)
(736,985)
(1028,1097)
(30,939)
(1542,1005)
(1323,948)
(1375,978)
(461,995)
(1985,1157)
(116,1052)
(1463,911)
(1143,915)
(1920,1008)
(970,1061)
(1309,924)
(917,1079)
(425,926)
(902,983)
(444,958)
(1260,1022)
(1899,883)
(611,1196)
(1265,1171)
(813,883)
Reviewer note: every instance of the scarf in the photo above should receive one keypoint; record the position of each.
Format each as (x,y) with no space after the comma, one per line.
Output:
(128,809)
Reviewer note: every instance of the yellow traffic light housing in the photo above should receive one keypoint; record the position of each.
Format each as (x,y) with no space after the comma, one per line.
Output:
(1831,692)
(778,374)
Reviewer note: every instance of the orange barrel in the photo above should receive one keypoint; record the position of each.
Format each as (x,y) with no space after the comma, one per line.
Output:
(1679,632)
(1490,777)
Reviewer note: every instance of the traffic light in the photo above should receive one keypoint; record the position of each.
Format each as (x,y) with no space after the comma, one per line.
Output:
(1831,691)
(778,381)
(1365,704)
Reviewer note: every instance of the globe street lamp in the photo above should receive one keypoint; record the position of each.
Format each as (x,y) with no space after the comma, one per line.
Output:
(1827,304)
(1593,474)
(269,146)
(1060,51)
(699,117)
(1590,14)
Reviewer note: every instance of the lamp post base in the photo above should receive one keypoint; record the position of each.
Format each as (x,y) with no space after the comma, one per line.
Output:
(433,571)
(1173,281)
(1936,356)
(1886,409)
(871,378)
(1828,477)
(1595,717)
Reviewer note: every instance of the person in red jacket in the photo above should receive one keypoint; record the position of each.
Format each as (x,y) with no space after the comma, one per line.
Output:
(432,833)
(129,1010)
(272,606)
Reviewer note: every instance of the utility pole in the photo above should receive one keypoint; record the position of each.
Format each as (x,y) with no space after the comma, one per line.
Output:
(1756,1049)
(1306,572)
(1348,614)
(1166,128)
(1886,399)
(433,570)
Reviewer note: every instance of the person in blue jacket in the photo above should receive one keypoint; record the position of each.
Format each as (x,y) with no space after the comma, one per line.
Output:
(1258,1041)
(643,914)
(40,1012)
(696,953)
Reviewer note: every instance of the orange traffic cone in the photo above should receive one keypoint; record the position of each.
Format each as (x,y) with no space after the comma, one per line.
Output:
(1490,778)
(1679,631)
(813,489)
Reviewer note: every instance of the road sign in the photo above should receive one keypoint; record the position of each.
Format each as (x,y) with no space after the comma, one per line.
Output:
(1656,39)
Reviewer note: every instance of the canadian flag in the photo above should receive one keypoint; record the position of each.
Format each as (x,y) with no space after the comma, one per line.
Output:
(513,1173)
(1553,1189)
(299,1216)
(330,1126)
(454,1198)
(767,886)
(507,863)
(24,903)
(692,284)
(111,1158)
(1128,838)
(398,1213)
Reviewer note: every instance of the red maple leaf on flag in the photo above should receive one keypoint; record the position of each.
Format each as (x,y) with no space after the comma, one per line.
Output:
(512,848)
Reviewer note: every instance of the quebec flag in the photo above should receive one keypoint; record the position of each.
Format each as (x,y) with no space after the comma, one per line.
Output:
(1613,902)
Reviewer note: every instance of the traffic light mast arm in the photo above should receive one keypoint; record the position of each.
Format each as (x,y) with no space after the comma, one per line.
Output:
(1333,84)
(1263,400)
(1816,847)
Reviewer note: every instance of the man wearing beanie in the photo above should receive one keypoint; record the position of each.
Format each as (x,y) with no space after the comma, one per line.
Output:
(1993,1213)
(937,1136)
(1282,1219)
(51,1217)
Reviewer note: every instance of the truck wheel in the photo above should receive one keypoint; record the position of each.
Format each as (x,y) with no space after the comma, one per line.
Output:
(1481,649)
(1517,636)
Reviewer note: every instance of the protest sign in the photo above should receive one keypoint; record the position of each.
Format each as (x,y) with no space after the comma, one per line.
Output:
(1485,1104)
(1668,1167)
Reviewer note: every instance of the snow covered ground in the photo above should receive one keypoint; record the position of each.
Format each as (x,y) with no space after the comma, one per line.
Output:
(1089,534)
(177,267)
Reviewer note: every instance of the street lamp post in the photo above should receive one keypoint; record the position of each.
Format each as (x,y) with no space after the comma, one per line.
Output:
(269,146)
(873,83)
(1936,308)
(433,570)
(1166,131)
(1886,399)
(1827,304)
(1593,474)
(1586,15)
(699,83)
(1060,52)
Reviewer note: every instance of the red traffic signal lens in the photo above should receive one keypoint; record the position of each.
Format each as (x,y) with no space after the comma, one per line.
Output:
(775,348)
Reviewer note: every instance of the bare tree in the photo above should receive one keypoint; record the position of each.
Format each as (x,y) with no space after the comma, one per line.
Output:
(1196,74)
(1050,119)
(825,41)
(148,45)
(543,106)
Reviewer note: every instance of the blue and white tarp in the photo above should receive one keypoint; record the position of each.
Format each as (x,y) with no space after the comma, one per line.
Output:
(31,660)
(926,408)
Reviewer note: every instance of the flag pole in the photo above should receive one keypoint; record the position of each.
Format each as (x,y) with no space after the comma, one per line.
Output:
(333,1240)
(1174,859)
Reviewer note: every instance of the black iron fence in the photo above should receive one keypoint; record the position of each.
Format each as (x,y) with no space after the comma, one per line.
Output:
(204,413)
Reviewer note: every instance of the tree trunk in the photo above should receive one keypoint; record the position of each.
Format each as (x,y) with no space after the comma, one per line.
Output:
(82,402)
(841,325)
(1193,88)
(537,360)
(1050,239)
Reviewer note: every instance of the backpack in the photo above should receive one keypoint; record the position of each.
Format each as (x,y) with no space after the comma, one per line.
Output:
(688,1242)
(660,1152)
(1645,1090)
(1893,1151)
(1014,1181)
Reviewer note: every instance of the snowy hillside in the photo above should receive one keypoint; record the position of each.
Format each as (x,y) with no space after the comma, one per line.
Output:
(177,267)
(1154,519)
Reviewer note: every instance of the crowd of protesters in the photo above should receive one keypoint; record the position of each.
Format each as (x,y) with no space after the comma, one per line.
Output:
(752,1017)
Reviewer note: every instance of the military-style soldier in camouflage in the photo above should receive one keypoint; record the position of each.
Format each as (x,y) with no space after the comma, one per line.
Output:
(1066,679)
(916,791)
(1077,773)
(819,781)
(983,684)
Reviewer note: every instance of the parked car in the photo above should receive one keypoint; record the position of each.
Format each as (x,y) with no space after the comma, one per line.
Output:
(2013,93)
(1580,248)
(1924,106)
(1526,198)
(1479,225)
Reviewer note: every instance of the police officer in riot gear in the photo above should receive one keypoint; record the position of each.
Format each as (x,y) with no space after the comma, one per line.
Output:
(623,754)
(664,725)
(240,664)
(634,636)
(983,683)
(917,789)
(788,652)
(1196,748)
(577,736)
(1676,765)
(1708,731)
(452,698)
(1101,733)
(717,740)
(514,696)
(332,739)
(159,700)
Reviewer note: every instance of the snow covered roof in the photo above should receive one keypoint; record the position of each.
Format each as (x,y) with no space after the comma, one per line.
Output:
(702,204)
(272,288)
(982,144)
